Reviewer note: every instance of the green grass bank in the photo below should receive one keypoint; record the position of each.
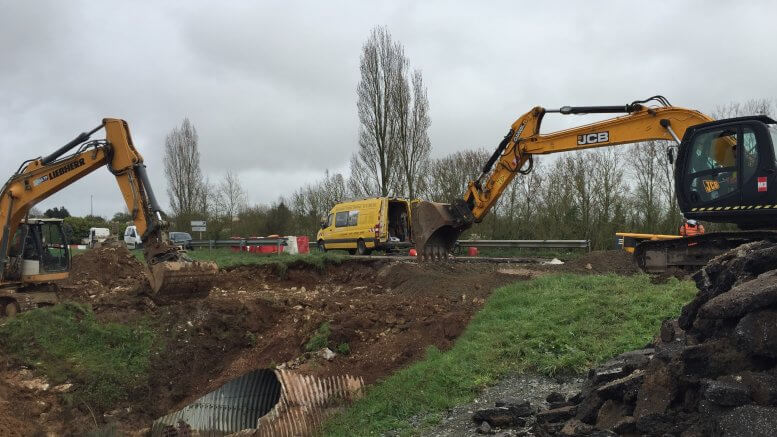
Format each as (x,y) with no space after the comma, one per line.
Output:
(556,324)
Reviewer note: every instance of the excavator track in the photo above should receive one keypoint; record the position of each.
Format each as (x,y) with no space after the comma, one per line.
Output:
(691,253)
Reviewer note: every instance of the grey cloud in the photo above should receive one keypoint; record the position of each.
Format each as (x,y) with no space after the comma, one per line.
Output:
(270,86)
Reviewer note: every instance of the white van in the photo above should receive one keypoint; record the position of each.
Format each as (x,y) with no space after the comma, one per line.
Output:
(132,238)
(98,235)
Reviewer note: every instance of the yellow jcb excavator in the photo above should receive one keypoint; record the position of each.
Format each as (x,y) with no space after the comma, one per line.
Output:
(725,171)
(34,253)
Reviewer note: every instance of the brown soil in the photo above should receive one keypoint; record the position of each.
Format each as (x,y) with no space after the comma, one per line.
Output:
(601,262)
(387,312)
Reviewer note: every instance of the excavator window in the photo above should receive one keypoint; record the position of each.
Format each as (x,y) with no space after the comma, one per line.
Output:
(773,133)
(712,167)
(749,154)
(54,250)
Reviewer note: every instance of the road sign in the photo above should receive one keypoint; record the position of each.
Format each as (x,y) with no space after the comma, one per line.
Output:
(198,229)
(198,223)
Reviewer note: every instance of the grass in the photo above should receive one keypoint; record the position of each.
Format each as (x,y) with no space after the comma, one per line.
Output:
(553,325)
(319,339)
(106,362)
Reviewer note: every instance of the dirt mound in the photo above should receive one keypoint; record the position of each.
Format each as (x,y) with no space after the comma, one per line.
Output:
(711,372)
(619,262)
(111,266)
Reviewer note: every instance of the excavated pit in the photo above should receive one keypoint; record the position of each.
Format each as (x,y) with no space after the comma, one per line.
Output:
(381,314)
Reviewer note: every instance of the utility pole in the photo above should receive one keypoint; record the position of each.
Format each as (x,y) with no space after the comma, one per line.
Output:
(91,205)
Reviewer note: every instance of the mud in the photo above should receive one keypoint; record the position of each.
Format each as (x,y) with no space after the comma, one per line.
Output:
(382,316)
(602,262)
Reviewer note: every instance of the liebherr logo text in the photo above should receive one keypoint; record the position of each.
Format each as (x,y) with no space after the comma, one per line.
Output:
(594,138)
(66,168)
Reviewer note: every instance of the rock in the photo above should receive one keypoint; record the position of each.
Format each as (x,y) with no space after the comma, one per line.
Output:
(517,408)
(554,405)
(715,358)
(725,393)
(618,388)
(763,387)
(608,372)
(711,409)
(589,408)
(555,397)
(557,415)
(626,425)
(484,428)
(574,427)
(611,413)
(327,354)
(502,416)
(748,421)
(653,423)
(62,388)
(742,299)
(656,392)
(757,333)
(668,330)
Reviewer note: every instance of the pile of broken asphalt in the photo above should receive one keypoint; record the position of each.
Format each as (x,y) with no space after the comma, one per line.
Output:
(713,371)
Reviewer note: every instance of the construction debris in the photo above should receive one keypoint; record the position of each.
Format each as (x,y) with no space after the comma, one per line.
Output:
(711,372)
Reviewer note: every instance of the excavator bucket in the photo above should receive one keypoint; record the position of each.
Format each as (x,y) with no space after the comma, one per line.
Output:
(182,279)
(437,226)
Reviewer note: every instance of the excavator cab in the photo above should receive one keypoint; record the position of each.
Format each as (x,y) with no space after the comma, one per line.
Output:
(39,252)
(726,171)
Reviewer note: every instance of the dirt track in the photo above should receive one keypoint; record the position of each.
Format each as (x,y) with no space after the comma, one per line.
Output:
(387,313)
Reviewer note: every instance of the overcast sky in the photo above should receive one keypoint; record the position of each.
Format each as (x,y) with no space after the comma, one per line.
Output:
(271,85)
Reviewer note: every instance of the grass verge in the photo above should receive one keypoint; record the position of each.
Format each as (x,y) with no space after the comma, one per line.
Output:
(226,258)
(106,362)
(556,324)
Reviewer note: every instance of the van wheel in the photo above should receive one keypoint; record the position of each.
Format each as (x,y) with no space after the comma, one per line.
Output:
(361,248)
(321,247)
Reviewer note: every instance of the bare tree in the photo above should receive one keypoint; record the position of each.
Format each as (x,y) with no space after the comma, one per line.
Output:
(749,107)
(186,186)
(382,62)
(414,144)
(361,182)
(648,168)
(230,198)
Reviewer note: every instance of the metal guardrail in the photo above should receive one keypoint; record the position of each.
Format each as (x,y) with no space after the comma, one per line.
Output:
(213,244)
(536,244)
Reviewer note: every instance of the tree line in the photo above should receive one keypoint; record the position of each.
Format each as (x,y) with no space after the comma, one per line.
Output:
(587,194)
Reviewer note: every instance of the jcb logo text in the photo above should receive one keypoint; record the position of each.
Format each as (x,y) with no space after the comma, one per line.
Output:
(594,138)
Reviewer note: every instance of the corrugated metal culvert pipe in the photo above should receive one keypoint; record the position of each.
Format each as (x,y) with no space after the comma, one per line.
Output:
(262,403)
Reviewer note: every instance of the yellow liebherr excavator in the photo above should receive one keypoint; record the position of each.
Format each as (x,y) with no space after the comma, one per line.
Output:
(725,171)
(34,252)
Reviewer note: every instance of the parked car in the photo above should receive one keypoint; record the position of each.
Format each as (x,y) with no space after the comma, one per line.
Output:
(132,238)
(182,239)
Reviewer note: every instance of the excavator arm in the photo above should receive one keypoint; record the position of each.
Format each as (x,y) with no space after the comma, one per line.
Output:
(437,226)
(170,272)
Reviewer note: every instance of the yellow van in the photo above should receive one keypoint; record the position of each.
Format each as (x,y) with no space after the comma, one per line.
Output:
(361,226)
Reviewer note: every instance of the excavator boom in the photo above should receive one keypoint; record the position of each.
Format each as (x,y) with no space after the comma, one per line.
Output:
(437,226)
(170,271)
